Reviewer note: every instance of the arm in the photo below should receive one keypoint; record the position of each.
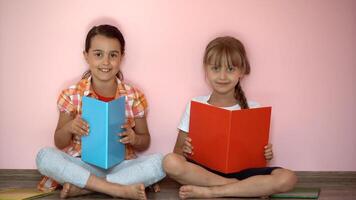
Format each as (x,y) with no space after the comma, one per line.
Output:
(178,147)
(183,144)
(139,137)
(67,126)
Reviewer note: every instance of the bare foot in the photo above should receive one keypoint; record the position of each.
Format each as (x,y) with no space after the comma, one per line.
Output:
(136,191)
(70,190)
(191,191)
(155,188)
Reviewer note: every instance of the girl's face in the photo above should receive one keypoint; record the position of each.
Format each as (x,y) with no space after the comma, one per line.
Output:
(223,79)
(104,58)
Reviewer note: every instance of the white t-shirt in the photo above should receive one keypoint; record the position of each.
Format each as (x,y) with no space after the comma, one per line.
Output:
(184,122)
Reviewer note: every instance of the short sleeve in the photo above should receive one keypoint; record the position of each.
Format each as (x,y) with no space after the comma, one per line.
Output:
(65,104)
(184,122)
(253,104)
(139,106)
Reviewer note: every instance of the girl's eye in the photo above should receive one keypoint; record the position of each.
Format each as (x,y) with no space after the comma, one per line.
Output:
(215,68)
(113,55)
(98,54)
(231,69)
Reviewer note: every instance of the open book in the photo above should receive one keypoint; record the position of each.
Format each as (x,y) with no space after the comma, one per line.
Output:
(229,141)
(102,147)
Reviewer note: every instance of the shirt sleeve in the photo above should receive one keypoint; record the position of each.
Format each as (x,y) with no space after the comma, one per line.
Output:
(65,104)
(184,122)
(139,106)
(253,104)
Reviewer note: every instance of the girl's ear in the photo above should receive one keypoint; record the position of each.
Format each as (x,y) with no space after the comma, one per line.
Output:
(241,78)
(205,71)
(241,75)
(85,54)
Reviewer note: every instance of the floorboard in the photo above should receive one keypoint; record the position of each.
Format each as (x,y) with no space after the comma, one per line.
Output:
(334,185)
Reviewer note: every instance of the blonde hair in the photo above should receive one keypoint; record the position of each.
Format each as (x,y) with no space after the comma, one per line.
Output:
(230,50)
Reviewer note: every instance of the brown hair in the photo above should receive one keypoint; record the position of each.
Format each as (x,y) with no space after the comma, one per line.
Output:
(233,51)
(110,32)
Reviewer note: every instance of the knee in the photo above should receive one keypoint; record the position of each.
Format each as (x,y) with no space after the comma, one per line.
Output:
(173,164)
(286,181)
(42,157)
(157,158)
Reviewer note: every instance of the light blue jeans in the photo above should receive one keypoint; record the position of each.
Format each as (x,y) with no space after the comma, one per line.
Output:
(64,168)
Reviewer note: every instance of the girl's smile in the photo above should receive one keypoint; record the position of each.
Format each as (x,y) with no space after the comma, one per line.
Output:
(105,70)
(223,84)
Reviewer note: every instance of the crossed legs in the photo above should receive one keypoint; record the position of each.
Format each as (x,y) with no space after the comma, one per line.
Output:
(201,183)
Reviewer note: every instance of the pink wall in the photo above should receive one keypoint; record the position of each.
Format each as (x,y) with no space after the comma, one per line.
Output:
(302,55)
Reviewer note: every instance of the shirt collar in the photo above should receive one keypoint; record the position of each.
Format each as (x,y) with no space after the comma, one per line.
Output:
(88,91)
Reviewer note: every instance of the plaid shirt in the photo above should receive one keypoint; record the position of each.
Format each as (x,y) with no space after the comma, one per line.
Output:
(70,101)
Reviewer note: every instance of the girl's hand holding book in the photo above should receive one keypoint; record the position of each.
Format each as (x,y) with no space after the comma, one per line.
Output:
(78,126)
(187,147)
(129,136)
(268,152)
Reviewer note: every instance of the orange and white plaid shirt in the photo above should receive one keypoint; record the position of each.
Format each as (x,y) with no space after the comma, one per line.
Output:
(70,101)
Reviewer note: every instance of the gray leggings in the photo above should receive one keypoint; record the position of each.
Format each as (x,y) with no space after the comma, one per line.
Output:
(64,168)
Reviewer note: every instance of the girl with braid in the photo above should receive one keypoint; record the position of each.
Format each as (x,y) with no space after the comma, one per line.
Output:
(225,63)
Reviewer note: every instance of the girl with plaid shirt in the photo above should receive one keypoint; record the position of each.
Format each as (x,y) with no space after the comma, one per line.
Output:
(104,50)
(225,64)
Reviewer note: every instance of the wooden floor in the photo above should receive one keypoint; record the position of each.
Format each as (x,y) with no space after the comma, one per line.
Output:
(334,185)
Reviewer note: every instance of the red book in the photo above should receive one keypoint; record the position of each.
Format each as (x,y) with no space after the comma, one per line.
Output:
(229,141)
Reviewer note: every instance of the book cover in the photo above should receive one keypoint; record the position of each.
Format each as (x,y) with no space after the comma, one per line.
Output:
(298,193)
(229,141)
(102,147)
(22,193)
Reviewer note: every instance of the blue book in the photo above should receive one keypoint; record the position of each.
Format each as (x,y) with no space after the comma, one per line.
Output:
(102,147)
